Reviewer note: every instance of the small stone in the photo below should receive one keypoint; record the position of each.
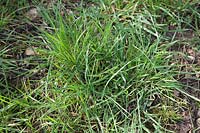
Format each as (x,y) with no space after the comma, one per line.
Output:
(32,14)
(30,51)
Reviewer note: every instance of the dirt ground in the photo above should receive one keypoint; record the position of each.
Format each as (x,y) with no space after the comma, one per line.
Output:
(188,56)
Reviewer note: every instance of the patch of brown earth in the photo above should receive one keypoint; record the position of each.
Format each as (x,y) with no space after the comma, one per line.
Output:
(187,58)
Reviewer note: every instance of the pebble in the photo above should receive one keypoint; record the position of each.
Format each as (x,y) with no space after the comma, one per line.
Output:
(30,51)
(32,14)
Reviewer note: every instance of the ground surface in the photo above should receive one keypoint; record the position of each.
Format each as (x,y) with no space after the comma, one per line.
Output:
(109,66)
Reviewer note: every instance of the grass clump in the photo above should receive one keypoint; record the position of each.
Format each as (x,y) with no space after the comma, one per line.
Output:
(112,70)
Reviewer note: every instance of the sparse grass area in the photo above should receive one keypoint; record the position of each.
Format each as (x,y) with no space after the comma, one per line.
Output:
(105,66)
